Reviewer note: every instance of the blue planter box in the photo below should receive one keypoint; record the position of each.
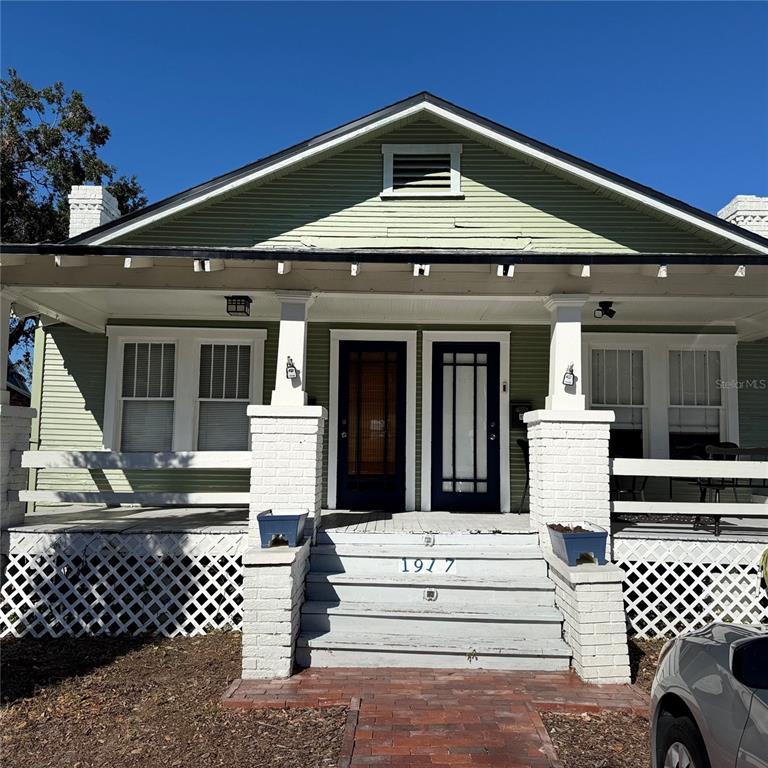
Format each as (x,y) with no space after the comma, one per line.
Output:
(289,528)
(571,546)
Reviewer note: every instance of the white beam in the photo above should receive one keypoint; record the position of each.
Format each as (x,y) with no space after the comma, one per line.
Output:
(71,261)
(208,265)
(565,352)
(138,262)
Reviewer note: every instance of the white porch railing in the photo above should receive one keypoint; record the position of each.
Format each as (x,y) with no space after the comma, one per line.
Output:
(110,460)
(749,476)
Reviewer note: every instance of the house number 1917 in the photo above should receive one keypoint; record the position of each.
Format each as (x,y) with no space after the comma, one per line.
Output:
(417,565)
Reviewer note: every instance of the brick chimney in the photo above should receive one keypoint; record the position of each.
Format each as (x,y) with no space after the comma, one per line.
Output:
(749,212)
(89,207)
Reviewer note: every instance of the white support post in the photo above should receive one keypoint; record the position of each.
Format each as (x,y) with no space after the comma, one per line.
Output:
(569,471)
(291,349)
(565,352)
(15,429)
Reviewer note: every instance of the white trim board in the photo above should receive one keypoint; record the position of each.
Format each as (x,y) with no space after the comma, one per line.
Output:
(409,337)
(428,339)
(656,347)
(188,341)
(447,115)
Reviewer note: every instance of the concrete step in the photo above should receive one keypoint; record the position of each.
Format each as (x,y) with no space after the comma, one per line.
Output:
(404,589)
(457,622)
(425,562)
(357,649)
(481,539)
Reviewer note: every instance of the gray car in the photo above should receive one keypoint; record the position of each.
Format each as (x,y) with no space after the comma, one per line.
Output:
(709,702)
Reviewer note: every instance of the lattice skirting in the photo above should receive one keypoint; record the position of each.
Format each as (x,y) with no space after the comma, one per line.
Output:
(675,585)
(100,583)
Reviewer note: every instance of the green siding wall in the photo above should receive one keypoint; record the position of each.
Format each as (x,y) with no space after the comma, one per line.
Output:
(74,365)
(70,376)
(752,361)
(508,203)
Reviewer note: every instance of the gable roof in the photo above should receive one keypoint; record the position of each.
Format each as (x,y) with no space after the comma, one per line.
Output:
(428,103)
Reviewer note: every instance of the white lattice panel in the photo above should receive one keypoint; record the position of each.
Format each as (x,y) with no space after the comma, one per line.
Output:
(675,585)
(103,583)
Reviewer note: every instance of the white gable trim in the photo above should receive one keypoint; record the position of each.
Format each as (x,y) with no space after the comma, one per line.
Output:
(449,116)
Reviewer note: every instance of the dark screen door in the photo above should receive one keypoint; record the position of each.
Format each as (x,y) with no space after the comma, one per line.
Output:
(371,439)
(465,426)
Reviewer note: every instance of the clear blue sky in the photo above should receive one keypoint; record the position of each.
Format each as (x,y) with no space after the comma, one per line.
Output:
(674,95)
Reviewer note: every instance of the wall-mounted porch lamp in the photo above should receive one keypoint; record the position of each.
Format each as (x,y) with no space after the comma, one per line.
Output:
(239,306)
(605,310)
(290,370)
(569,378)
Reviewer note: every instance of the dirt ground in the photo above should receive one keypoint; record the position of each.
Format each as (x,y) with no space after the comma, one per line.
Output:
(125,703)
(608,739)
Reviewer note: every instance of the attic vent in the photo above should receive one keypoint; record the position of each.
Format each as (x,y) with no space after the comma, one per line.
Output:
(421,170)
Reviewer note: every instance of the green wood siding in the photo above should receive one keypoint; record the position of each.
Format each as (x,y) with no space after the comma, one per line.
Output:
(508,203)
(74,365)
(752,357)
(70,377)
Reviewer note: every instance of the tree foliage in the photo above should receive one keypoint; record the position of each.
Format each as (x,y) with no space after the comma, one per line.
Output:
(50,141)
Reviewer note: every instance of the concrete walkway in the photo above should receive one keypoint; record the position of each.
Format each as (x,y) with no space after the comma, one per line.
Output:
(423,717)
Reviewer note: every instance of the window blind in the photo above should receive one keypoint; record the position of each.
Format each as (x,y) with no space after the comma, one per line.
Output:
(223,394)
(148,384)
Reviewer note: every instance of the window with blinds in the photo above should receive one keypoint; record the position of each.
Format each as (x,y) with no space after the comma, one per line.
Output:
(148,387)
(223,396)
(695,401)
(618,384)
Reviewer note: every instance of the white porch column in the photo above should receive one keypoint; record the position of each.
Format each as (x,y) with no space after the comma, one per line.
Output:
(292,344)
(569,471)
(565,351)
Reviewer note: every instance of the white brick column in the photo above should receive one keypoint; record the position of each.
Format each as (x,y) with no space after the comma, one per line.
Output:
(569,471)
(273,593)
(15,427)
(287,458)
(591,601)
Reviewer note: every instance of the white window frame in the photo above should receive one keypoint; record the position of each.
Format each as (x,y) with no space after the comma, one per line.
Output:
(409,337)
(428,338)
(390,150)
(656,348)
(186,386)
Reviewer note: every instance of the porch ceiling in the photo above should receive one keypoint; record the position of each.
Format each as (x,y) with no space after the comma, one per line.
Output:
(93,308)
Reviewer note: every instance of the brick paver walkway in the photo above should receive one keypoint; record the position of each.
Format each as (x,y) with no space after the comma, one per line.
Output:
(424,717)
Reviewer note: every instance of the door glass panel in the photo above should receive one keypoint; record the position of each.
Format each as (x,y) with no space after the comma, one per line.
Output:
(448,419)
(465,431)
(372,417)
(465,422)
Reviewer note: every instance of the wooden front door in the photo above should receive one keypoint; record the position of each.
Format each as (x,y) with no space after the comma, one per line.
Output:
(371,439)
(465,426)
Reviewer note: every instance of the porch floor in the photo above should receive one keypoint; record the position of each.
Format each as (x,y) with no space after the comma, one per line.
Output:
(235,520)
